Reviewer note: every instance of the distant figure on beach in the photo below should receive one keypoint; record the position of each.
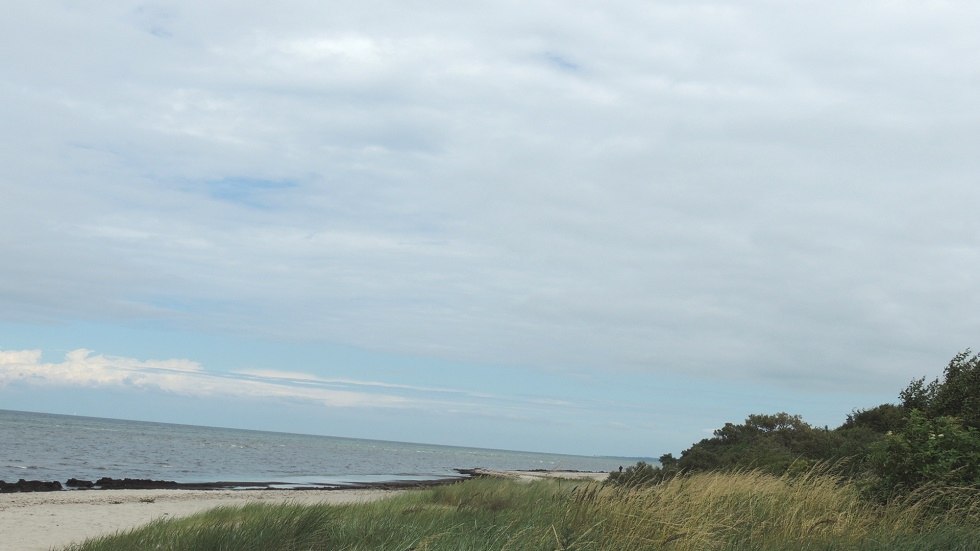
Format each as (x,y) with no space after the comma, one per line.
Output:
(620,468)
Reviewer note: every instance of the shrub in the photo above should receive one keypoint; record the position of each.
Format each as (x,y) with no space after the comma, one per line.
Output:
(640,474)
(939,451)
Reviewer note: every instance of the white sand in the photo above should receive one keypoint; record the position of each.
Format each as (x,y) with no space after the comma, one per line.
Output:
(45,520)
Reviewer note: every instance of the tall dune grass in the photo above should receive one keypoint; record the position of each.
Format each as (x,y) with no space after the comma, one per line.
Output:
(712,511)
(753,510)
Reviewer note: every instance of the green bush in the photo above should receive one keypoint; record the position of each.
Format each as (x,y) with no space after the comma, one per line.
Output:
(640,474)
(931,438)
(938,451)
(775,443)
(957,395)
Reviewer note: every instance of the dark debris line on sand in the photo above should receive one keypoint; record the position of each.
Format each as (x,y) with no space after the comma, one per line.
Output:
(107,483)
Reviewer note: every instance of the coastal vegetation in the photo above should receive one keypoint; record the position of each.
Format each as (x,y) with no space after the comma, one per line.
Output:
(750,510)
(893,477)
(931,439)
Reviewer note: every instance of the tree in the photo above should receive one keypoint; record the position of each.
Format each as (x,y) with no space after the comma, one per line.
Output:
(933,437)
(957,395)
(880,419)
(768,442)
(780,422)
(668,462)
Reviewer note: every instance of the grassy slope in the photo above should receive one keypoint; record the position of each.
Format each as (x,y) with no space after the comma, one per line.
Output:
(699,512)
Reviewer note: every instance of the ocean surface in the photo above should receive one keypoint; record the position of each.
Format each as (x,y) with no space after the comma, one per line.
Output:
(41,446)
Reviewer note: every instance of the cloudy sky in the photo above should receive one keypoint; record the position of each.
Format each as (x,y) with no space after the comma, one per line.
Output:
(594,228)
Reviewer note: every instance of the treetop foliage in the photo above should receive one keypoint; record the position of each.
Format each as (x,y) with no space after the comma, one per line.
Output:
(880,419)
(957,395)
(931,437)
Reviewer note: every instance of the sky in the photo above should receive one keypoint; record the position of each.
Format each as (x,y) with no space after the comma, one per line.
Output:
(599,228)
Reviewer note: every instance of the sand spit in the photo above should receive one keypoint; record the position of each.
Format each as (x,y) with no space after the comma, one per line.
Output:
(528,476)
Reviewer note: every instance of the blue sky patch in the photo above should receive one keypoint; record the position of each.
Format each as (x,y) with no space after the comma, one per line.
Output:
(250,192)
(562,63)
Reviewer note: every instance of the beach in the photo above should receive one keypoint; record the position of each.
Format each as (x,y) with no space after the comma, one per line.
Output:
(38,521)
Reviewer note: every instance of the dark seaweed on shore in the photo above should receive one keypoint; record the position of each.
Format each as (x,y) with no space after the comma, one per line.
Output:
(108,483)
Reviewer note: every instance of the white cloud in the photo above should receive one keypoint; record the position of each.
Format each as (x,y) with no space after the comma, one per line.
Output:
(731,190)
(274,374)
(306,377)
(82,368)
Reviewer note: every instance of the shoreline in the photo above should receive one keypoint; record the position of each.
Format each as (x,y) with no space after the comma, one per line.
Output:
(39,521)
(107,484)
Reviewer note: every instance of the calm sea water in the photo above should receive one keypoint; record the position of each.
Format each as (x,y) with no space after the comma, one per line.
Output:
(39,446)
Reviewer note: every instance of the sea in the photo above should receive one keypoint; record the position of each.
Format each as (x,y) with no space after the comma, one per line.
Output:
(43,446)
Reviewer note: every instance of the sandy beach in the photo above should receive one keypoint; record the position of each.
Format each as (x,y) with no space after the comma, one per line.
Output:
(44,520)
(38,521)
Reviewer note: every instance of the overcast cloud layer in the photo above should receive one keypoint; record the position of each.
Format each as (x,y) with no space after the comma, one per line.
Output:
(775,192)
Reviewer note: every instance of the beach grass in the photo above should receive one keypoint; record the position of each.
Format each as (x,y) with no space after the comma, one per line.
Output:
(710,511)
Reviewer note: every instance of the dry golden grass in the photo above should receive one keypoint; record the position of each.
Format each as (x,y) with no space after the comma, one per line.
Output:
(757,510)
